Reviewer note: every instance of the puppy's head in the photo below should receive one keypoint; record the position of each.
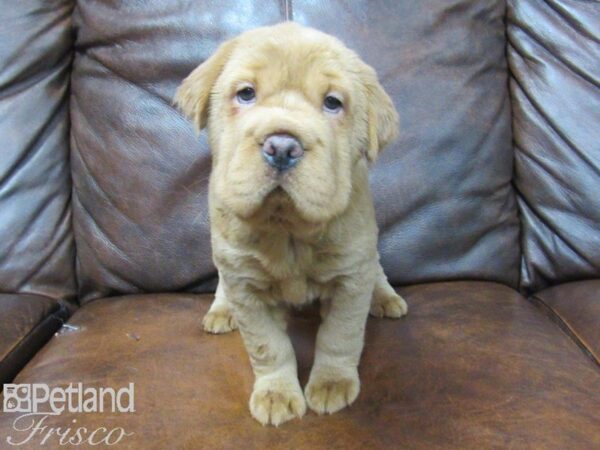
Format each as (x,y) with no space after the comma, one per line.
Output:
(290,112)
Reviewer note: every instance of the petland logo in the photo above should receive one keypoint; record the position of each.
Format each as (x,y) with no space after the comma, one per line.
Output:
(37,402)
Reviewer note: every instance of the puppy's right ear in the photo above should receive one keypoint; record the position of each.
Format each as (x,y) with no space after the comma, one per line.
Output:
(193,96)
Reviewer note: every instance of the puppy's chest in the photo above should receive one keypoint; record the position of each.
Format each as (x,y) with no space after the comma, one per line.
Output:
(296,271)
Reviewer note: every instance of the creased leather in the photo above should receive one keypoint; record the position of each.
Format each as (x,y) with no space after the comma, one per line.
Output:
(36,240)
(140,173)
(554,56)
(443,194)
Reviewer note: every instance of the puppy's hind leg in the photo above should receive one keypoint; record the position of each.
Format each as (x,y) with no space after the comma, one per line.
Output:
(219,318)
(386,302)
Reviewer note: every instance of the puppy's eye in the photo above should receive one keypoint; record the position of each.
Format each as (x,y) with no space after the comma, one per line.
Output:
(332,104)
(246,95)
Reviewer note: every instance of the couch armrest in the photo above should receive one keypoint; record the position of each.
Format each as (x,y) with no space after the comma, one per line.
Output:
(27,322)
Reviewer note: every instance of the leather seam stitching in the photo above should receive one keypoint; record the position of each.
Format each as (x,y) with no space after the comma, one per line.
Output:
(565,327)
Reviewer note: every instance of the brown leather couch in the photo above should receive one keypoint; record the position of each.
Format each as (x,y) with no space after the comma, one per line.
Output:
(488,206)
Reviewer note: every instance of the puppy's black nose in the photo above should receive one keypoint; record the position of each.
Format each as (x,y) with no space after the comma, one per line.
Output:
(282,151)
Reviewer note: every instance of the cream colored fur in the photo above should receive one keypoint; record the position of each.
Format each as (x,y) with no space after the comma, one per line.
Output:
(307,234)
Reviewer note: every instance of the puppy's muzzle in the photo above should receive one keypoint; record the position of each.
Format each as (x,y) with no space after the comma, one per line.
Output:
(282,151)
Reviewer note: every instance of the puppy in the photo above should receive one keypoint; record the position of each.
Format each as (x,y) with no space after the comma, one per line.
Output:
(294,118)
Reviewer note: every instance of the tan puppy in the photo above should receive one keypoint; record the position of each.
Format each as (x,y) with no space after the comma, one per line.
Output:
(293,119)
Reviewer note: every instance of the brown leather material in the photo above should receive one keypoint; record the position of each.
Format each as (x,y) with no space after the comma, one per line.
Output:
(140,173)
(443,192)
(26,323)
(576,307)
(473,365)
(446,182)
(555,86)
(36,242)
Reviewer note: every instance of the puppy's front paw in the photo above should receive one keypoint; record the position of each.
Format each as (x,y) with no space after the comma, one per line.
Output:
(276,401)
(219,321)
(388,305)
(328,391)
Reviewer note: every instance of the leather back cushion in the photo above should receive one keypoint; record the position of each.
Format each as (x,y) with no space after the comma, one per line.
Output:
(555,85)
(443,191)
(36,242)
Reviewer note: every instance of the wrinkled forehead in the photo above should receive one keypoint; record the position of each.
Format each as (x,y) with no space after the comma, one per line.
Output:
(304,62)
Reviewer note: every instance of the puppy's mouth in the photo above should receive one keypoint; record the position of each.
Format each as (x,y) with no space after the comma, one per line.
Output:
(277,207)
(279,193)
(278,199)
(279,181)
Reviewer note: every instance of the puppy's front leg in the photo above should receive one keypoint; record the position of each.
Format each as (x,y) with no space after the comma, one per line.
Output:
(333,383)
(277,396)
(219,318)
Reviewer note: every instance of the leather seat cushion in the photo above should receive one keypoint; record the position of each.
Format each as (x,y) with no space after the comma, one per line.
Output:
(473,365)
(576,307)
(26,323)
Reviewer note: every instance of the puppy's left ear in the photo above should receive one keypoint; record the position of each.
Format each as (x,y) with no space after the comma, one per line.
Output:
(193,96)
(382,116)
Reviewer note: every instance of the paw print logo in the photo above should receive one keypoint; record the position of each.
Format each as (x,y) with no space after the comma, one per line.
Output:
(17,398)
